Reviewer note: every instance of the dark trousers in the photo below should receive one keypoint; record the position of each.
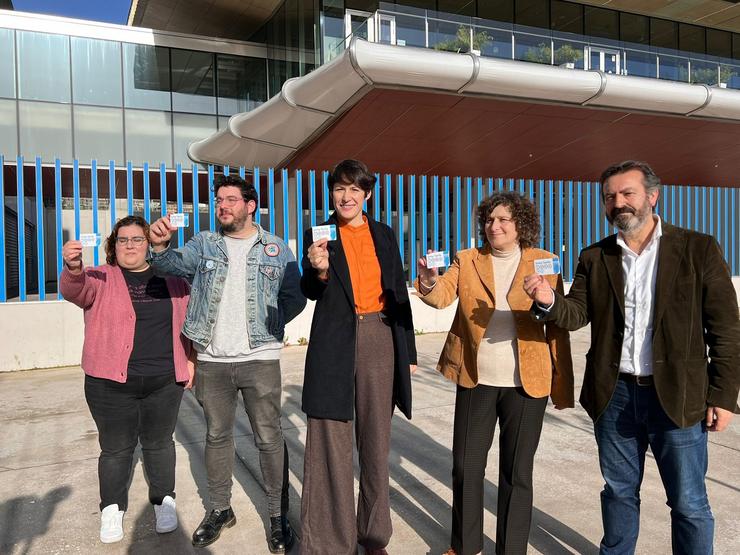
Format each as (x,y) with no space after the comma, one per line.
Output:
(520,420)
(217,388)
(328,520)
(144,409)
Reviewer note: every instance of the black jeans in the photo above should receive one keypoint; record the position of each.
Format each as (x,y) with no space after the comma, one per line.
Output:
(142,409)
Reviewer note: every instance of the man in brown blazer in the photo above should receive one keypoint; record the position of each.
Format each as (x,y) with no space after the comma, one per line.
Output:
(659,299)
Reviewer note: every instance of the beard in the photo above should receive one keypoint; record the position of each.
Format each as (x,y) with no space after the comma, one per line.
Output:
(237,223)
(627,219)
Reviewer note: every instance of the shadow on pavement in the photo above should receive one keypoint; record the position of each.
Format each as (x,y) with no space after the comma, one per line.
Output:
(25,518)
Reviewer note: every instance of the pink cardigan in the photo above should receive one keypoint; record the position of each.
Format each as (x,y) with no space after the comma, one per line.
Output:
(109,320)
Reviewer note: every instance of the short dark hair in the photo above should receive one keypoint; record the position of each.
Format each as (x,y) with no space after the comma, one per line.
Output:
(247,189)
(110,242)
(523,212)
(649,179)
(352,171)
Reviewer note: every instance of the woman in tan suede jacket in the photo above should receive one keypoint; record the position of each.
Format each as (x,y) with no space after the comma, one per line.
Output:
(505,365)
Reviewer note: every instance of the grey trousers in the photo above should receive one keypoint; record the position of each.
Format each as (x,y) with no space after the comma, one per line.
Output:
(217,386)
(328,518)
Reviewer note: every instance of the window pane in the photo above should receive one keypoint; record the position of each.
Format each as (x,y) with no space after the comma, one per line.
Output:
(190,128)
(146,76)
(43,66)
(663,33)
(566,17)
(719,43)
(242,84)
(602,23)
(460,7)
(501,10)
(634,28)
(193,82)
(46,131)
(148,137)
(8,129)
(7,63)
(96,72)
(535,13)
(98,134)
(691,38)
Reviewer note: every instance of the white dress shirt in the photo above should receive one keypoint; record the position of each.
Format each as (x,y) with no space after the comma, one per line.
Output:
(639,272)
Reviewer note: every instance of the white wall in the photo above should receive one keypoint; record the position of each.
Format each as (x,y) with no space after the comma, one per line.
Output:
(49,334)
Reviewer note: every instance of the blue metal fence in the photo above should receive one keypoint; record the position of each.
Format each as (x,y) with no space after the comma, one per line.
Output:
(52,204)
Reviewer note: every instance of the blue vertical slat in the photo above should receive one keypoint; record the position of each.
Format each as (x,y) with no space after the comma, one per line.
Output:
(112,192)
(399,210)
(446,210)
(424,215)
(521,187)
(256,182)
(479,196)
(76,196)
(58,221)
(3,268)
(147,193)
(196,198)
(559,206)
(510,184)
(129,188)
(672,216)
(412,227)
(40,269)
(458,212)
(712,198)
(550,245)
(579,221)
(211,201)
(499,184)
(20,199)
(242,172)
(299,216)
(226,170)
(704,210)
(286,205)
(388,209)
(312,196)
(680,206)
(271,198)
(325,192)
(376,195)
(178,185)
(95,223)
(435,213)
(695,209)
(162,190)
(541,207)
(733,236)
(570,243)
(589,238)
(490,186)
(530,189)
(469,239)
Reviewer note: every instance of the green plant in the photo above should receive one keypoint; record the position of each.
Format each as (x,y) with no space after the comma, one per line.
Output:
(567,53)
(418,331)
(542,54)
(302,341)
(461,42)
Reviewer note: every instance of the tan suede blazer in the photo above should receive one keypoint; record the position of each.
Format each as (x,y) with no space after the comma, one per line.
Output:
(545,364)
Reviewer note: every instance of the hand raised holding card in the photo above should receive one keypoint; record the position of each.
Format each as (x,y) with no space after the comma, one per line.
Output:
(427,275)
(72,255)
(318,256)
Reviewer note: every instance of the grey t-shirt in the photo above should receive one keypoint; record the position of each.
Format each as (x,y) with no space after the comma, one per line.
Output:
(230,339)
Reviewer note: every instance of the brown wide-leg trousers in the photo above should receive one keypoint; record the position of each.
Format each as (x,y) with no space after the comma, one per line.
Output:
(328,521)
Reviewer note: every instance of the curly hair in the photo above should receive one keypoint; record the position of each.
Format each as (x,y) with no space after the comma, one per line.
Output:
(110,242)
(523,213)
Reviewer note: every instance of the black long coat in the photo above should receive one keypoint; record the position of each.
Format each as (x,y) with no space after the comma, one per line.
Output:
(695,311)
(329,383)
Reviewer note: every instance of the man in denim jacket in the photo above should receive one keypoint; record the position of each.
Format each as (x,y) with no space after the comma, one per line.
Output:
(254,277)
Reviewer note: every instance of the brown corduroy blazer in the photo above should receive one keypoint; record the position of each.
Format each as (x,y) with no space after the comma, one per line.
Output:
(545,364)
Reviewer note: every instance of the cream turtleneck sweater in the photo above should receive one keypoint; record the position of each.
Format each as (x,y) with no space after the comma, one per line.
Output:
(498,362)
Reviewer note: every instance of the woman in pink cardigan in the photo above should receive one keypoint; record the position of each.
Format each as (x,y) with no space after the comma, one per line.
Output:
(136,365)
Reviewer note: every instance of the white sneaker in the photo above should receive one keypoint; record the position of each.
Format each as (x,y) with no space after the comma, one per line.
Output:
(111,524)
(166,515)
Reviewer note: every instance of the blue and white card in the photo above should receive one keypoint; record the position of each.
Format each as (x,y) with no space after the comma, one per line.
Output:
(180,220)
(438,259)
(547,266)
(324,232)
(90,239)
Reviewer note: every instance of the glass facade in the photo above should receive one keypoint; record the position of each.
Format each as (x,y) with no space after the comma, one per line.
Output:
(83,98)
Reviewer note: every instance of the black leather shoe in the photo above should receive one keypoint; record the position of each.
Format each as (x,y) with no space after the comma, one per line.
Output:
(210,527)
(281,535)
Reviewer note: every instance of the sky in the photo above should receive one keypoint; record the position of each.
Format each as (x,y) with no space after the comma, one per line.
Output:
(109,11)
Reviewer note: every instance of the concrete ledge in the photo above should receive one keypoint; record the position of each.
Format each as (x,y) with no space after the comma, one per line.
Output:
(49,334)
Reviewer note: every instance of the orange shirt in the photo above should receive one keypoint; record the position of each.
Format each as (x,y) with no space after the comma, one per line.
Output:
(364,268)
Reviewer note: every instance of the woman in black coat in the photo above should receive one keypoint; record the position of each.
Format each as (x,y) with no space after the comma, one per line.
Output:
(360,356)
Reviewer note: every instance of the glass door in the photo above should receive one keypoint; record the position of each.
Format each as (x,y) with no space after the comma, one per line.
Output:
(360,24)
(385,28)
(605,59)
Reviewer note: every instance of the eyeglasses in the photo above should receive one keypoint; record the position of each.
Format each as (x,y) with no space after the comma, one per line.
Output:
(137,241)
(228,201)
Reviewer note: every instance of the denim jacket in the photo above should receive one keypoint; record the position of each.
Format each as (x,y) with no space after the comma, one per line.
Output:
(271,303)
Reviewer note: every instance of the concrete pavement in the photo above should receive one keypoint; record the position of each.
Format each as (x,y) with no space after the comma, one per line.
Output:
(49,491)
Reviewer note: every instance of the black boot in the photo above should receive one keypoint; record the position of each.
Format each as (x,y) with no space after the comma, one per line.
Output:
(210,527)
(281,535)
